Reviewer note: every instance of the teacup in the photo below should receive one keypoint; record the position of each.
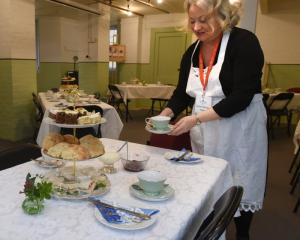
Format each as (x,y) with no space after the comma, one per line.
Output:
(158,122)
(151,181)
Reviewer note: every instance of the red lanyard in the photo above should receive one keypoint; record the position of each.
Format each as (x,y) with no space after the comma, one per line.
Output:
(211,63)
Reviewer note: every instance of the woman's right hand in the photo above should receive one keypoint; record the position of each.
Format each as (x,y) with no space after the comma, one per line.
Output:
(167,112)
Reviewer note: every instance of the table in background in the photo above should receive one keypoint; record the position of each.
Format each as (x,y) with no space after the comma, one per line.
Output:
(137,91)
(197,187)
(111,129)
(294,104)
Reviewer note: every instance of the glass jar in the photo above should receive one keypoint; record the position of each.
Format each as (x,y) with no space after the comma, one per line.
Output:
(32,206)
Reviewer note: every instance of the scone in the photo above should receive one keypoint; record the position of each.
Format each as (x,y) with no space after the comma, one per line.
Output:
(93,145)
(75,152)
(71,139)
(58,149)
(52,139)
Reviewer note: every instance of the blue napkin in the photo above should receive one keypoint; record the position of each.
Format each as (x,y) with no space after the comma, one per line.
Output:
(187,158)
(113,215)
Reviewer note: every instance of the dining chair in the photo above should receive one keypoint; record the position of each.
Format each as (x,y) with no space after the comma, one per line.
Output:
(118,100)
(39,114)
(294,89)
(81,132)
(222,214)
(297,205)
(170,142)
(278,108)
(18,154)
(162,104)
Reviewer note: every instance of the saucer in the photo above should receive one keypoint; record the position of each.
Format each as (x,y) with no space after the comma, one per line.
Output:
(165,194)
(156,131)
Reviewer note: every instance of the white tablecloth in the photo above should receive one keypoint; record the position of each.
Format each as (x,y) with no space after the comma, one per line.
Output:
(197,187)
(136,91)
(111,129)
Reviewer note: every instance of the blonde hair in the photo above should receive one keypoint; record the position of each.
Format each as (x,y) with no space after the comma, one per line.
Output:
(228,11)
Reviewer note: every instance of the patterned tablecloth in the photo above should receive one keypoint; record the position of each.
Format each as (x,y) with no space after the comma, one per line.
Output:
(197,187)
(111,129)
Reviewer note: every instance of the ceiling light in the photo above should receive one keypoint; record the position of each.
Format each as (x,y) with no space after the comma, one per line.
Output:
(128,12)
(159,1)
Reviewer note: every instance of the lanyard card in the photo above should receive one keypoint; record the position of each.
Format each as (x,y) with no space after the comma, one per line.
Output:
(202,103)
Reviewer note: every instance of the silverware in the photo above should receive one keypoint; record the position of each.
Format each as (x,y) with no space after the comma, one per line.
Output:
(181,158)
(138,188)
(140,215)
(122,146)
(44,162)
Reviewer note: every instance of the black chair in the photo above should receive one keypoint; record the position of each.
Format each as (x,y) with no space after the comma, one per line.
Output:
(278,108)
(218,220)
(81,132)
(18,154)
(295,157)
(118,100)
(297,205)
(39,114)
(162,103)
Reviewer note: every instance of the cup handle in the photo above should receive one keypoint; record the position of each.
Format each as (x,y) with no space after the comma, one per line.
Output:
(148,122)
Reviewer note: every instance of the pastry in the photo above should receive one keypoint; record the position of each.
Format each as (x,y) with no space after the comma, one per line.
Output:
(58,149)
(93,145)
(71,139)
(52,139)
(75,152)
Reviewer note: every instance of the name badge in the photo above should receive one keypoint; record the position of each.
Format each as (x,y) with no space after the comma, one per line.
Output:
(202,103)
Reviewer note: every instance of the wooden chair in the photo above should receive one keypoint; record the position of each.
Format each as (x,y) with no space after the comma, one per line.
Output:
(278,108)
(18,154)
(218,220)
(117,100)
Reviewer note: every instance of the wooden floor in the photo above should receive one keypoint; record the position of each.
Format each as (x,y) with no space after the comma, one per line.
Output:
(276,221)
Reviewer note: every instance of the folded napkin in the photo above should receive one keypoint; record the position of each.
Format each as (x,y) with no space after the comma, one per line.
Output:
(187,156)
(117,216)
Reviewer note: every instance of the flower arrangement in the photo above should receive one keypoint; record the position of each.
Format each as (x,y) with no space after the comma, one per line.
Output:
(36,190)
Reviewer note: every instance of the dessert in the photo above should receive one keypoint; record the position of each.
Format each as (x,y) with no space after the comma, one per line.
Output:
(75,152)
(71,117)
(52,139)
(77,116)
(93,145)
(60,117)
(71,139)
(57,150)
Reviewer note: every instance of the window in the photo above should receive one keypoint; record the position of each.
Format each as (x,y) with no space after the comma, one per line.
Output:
(113,37)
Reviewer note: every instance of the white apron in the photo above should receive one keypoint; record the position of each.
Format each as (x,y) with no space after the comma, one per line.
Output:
(241,139)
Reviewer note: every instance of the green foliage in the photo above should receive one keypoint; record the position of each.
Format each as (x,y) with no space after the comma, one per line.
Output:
(36,187)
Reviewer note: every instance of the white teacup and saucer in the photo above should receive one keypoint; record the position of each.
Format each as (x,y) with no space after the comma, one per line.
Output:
(151,187)
(158,124)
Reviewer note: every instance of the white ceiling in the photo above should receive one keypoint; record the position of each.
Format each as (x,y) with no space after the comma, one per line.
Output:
(46,8)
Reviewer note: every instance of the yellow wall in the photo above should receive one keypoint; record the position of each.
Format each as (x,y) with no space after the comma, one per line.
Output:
(279,34)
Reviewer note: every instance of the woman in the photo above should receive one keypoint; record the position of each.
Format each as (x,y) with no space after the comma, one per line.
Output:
(221,71)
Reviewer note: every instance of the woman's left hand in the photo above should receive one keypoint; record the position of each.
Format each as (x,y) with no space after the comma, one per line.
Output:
(184,125)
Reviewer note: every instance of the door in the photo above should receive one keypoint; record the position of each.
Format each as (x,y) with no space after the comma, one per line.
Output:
(169,47)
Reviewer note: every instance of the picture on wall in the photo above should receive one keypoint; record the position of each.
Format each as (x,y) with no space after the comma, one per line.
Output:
(117,53)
